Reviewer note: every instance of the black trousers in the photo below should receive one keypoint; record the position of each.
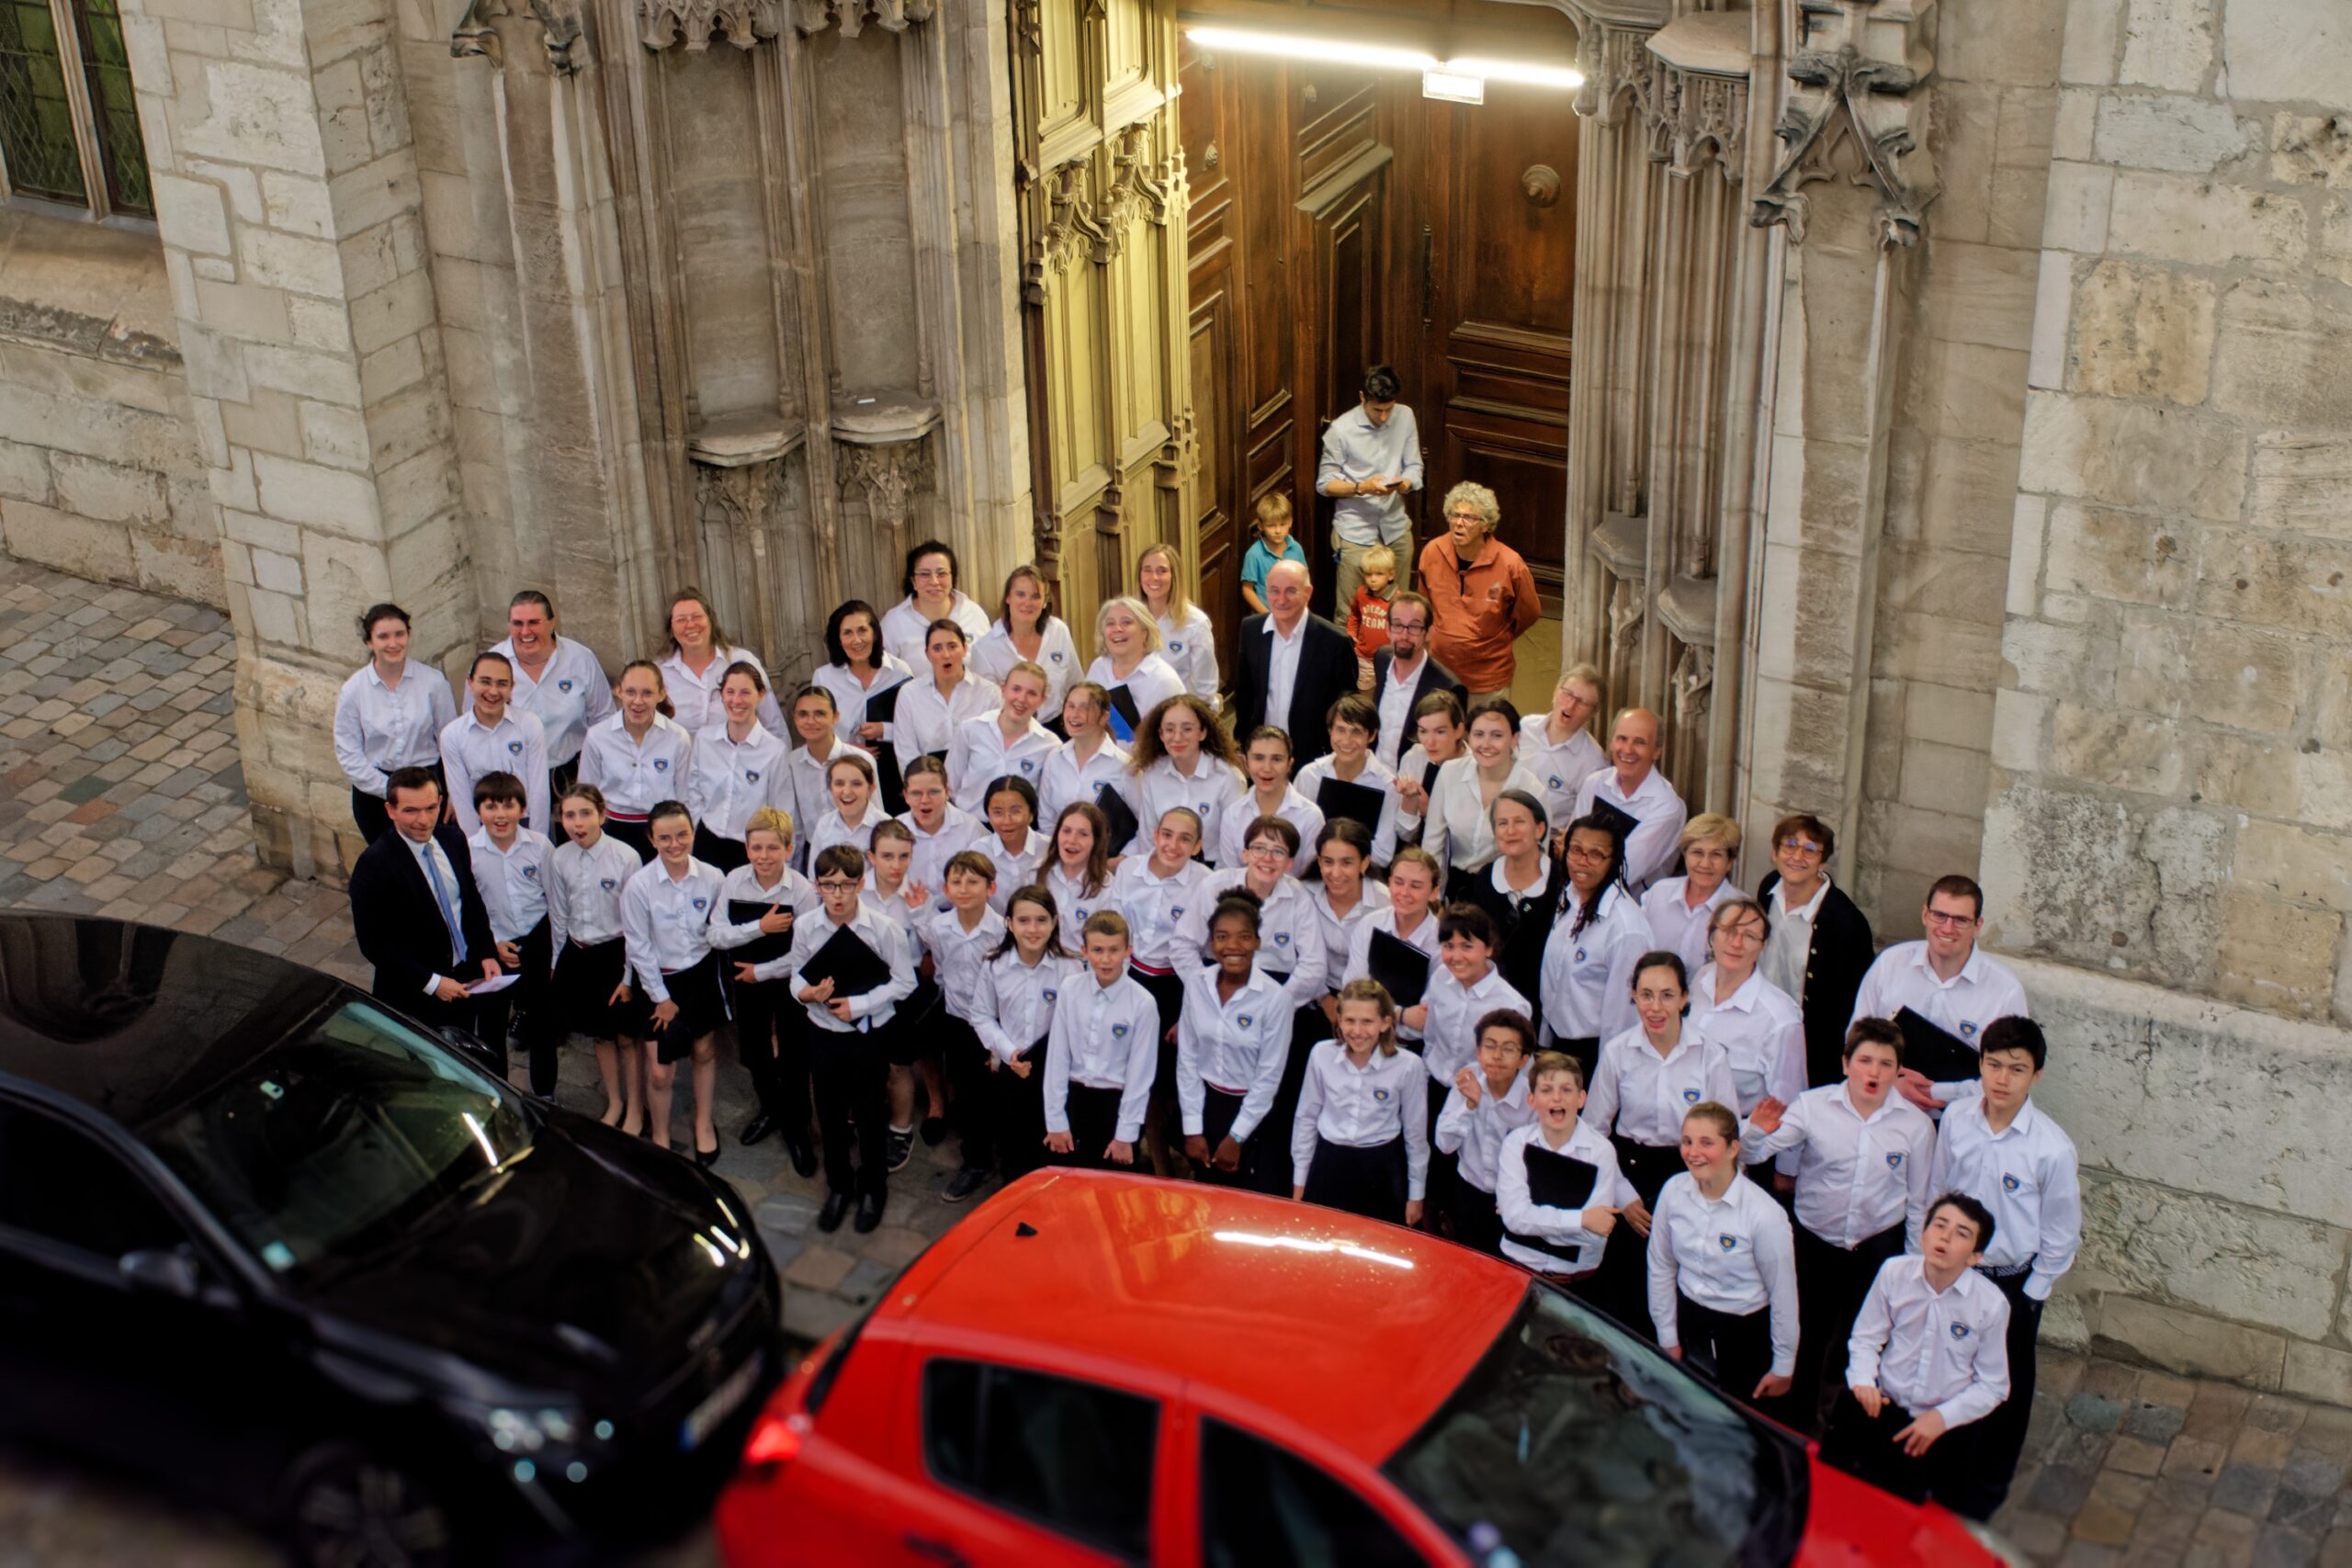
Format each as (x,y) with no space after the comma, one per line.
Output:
(1586,1049)
(1444,1173)
(1021,1114)
(2003,1434)
(771,1036)
(1475,1221)
(540,1031)
(368,811)
(724,853)
(971,1103)
(637,836)
(1367,1181)
(1950,1472)
(853,1088)
(1735,1350)
(1831,1283)
(1160,1121)
(1094,1116)
(1622,1288)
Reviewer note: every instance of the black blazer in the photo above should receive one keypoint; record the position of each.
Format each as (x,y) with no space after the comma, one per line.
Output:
(1327,671)
(1435,677)
(1842,953)
(398,924)
(1521,933)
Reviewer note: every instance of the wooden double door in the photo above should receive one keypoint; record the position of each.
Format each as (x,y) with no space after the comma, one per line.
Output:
(1340,219)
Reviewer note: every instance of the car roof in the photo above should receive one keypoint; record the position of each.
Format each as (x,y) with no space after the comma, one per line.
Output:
(1354,1329)
(136,1020)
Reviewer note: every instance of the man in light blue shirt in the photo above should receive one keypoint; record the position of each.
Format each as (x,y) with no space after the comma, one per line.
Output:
(1372,457)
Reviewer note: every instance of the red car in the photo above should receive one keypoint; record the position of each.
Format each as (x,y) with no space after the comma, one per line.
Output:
(1097,1368)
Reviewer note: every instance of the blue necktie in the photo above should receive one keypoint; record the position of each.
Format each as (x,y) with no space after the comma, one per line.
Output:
(449,907)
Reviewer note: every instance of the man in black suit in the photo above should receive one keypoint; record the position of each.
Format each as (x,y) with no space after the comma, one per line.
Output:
(1821,944)
(1404,673)
(415,908)
(1293,667)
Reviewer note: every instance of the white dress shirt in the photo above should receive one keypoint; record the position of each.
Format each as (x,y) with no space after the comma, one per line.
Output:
(833,828)
(1561,767)
(958,831)
(1963,1006)
(1155,906)
(1017,999)
(1734,1254)
(959,953)
(1422,936)
(1066,777)
(1363,1108)
(1761,1028)
(1237,1044)
(850,695)
(1450,1033)
(905,631)
(1151,682)
(1074,904)
(472,750)
(1015,868)
(888,941)
(1475,1134)
(1212,788)
(379,729)
(513,881)
(434,862)
(1946,1352)
(927,722)
(1191,650)
(1641,1096)
(1287,938)
(730,779)
(793,893)
(1675,925)
(570,692)
(994,655)
(1856,1174)
(666,921)
(1297,809)
(1282,671)
(1103,1037)
(1788,952)
(979,755)
(2025,1174)
(584,890)
(1396,696)
(637,776)
(1355,449)
(1376,774)
(1339,932)
(1457,828)
(1523,1216)
(812,796)
(1650,852)
(1588,977)
(696,697)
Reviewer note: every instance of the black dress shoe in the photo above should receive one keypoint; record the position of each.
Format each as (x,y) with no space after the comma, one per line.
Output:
(757,1129)
(963,1184)
(836,1209)
(869,1211)
(803,1156)
(710,1157)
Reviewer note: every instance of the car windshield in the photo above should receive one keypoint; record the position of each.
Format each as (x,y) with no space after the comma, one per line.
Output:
(1573,1442)
(333,1142)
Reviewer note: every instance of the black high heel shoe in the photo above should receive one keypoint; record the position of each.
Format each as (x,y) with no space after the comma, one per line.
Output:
(707,1158)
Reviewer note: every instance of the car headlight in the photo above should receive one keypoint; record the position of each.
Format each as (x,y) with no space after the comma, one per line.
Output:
(517,1429)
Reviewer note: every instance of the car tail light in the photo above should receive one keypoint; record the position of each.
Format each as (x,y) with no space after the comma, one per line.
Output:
(775,1440)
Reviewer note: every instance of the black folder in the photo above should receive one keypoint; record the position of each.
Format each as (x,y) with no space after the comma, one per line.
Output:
(1614,817)
(1556,1181)
(882,708)
(1124,716)
(1119,815)
(1428,776)
(1931,1049)
(845,960)
(759,949)
(1400,966)
(1356,802)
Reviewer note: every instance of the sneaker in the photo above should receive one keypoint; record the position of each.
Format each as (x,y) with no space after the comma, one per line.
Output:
(902,1148)
(963,1184)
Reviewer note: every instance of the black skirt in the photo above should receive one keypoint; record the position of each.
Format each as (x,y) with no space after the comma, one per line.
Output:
(637,836)
(702,1008)
(712,849)
(584,979)
(1367,1181)
(1093,1115)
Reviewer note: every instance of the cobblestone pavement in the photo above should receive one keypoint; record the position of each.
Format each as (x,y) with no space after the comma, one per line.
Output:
(120,795)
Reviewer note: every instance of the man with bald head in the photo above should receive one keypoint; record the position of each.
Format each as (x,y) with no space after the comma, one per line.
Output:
(1633,785)
(1293,666)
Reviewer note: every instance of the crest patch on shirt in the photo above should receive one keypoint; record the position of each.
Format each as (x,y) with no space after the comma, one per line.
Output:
(1727,1241)
(1690,1097)
(2009,1183)
(750,775)
(563,686)
(514,748)
(700,904)
(1029,766)
(1057,657)
(1052,995)
(1579,955)
(661,764)
(1173,647)
(531,872)
(1381,1095)
(1894,1161)
(1118,1032)
(1281,939)
(1245,1021)
(1960,1331)
(1967,1027)
(1554,781)
(1176,913)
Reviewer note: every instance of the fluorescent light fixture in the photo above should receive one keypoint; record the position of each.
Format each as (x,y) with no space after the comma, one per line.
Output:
(1337,51)
(1453,86)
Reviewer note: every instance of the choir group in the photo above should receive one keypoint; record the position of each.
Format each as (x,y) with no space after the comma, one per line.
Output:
(1463,970)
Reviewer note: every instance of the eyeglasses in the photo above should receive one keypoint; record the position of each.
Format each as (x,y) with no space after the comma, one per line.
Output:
(1463,517)
(1574,853)
(1396,626)
(1946,917)
(1801,846)
(836,885)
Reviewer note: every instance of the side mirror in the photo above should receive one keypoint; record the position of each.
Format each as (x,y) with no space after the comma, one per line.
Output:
(172,1273)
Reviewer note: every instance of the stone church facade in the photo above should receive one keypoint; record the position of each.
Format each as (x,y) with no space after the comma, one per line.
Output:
(1959,444)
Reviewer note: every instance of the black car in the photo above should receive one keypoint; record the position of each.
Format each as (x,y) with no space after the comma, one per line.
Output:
(267,1241)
